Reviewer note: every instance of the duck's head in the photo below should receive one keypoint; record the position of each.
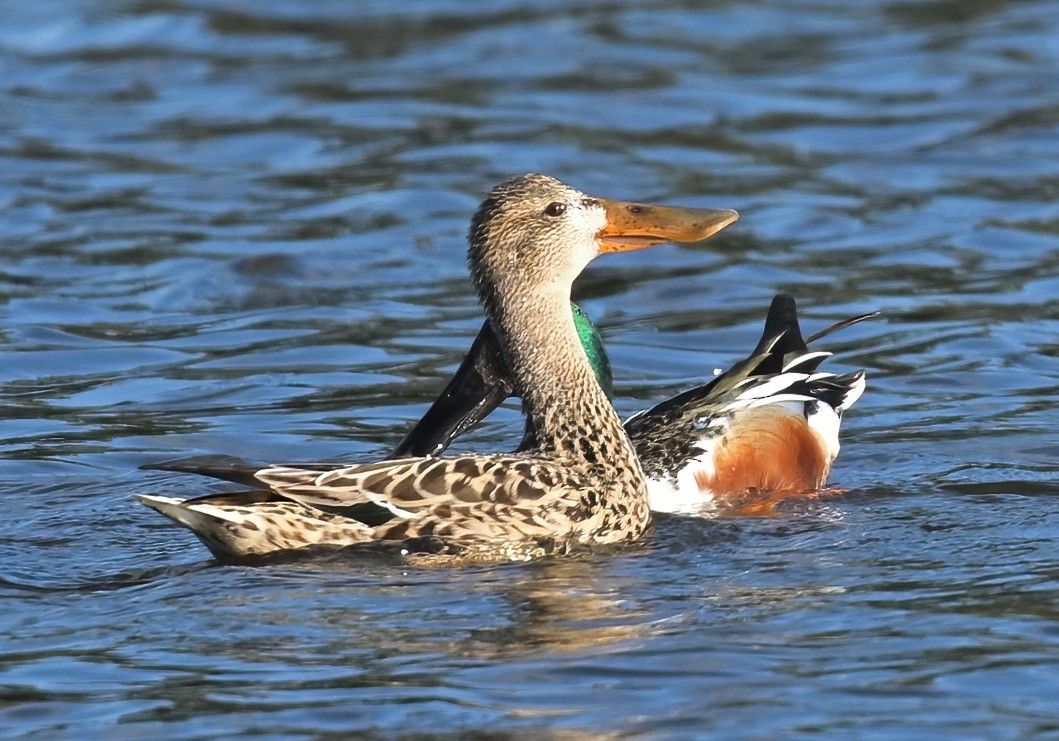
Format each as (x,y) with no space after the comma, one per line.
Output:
(533,234)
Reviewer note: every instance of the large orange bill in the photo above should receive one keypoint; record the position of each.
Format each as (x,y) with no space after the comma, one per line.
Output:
(632,226)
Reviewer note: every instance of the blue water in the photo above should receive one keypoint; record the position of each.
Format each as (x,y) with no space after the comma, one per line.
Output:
(238,227)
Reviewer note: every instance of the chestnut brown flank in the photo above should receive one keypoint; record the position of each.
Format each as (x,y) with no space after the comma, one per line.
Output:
(766,449)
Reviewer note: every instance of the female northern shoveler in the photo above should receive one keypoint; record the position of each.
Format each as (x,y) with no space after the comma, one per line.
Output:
(581,485)
(767,426)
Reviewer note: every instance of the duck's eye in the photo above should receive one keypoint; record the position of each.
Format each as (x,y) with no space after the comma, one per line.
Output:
(555,209)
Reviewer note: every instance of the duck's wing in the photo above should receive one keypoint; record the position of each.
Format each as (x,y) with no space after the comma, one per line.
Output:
(782,365)
(409,486)
(480,385)
(482,382)
(468,497)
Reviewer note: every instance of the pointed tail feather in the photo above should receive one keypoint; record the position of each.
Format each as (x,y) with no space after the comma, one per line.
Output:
(223,467)
(195,518)
(842,325)
(233,530)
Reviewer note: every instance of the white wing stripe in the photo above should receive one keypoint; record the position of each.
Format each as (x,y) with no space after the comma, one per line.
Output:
(805,359)
(772,386)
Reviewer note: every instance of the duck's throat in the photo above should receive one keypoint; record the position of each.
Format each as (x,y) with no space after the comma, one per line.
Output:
(570,413)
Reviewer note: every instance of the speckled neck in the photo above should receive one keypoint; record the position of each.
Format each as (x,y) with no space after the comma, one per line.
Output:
(523,263)
(570,412)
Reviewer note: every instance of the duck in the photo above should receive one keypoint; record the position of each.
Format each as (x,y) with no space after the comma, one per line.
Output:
(580,486)
(765,430)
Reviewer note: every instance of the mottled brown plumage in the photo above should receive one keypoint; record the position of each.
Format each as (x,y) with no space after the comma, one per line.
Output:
(582,486)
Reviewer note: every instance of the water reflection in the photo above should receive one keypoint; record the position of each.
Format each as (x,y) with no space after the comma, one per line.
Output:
(562,606)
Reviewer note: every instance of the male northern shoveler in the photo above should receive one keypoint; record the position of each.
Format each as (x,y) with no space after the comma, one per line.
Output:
(767,426)
(581,485)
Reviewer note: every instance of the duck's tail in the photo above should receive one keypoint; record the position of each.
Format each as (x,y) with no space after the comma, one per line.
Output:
(254,523)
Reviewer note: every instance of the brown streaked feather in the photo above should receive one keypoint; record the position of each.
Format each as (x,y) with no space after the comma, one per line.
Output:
(421,483)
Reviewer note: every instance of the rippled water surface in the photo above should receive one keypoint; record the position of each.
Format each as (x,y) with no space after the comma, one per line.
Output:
(238,227)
